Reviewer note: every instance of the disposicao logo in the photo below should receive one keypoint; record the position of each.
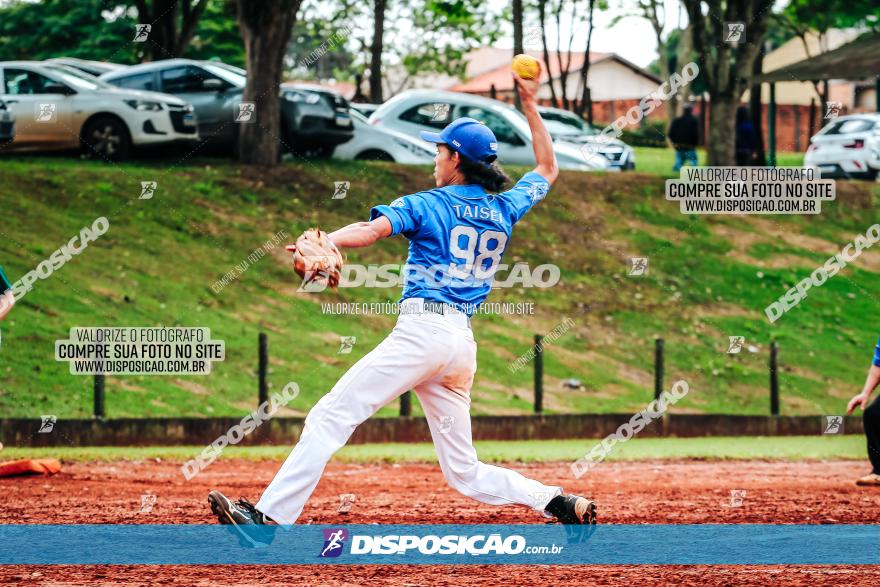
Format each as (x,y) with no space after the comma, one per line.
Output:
(334,540)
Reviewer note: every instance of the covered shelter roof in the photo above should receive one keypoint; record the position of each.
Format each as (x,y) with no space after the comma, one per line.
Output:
(859,59)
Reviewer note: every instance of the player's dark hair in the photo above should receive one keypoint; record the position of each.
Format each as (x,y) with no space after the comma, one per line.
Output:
(491,177)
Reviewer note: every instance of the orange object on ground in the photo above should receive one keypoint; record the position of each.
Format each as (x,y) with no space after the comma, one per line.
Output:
(30,467)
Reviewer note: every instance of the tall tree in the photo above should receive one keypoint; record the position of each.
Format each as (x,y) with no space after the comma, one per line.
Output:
(542,17)
(265,27)
(727,67)
(87,29)
(379,7)
(173,24)
(586,102)
(517,39)
(654,11)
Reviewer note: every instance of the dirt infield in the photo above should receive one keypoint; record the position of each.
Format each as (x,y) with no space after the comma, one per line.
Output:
(627,493)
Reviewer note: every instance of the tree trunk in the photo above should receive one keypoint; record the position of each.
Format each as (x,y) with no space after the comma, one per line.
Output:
(755,109)
(358,83)
(683,56)
(586,101)
(517,43)
(562,80)
(727,70)
(265,27)
(376,51)
(164,40)
(542,15)
(721,146)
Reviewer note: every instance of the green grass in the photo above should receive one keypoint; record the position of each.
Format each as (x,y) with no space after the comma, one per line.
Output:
(660,161)
(709,277)
(785,448)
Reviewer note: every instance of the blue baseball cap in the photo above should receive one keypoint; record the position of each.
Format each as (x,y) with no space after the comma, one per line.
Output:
(468,137)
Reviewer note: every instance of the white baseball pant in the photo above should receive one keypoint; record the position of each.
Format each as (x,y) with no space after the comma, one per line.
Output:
(435,355)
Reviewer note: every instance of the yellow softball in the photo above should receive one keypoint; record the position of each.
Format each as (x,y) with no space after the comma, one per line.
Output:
(526,66)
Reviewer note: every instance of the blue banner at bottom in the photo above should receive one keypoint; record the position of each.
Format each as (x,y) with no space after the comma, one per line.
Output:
(532,544)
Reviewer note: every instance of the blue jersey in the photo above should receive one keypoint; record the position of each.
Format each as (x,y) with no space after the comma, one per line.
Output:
(876,361)
(457,237)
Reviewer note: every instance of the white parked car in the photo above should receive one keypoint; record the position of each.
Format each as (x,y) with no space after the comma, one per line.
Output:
(848,146)
(568,127)
(417,110)
(59,108)
(381,144)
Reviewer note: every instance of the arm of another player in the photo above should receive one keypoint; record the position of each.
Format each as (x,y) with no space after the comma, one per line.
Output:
(361,234)
(7,300)
(541,141)
(871,382)
(862,398)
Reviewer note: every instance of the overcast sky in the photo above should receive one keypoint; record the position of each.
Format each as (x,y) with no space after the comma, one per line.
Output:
(632,38)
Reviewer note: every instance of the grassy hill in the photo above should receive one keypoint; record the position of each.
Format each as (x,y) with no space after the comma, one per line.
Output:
(708,278)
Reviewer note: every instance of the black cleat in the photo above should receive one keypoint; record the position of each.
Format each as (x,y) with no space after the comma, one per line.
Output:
(254,529)
(572,509)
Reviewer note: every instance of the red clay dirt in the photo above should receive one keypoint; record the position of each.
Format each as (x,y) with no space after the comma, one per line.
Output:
(686,492)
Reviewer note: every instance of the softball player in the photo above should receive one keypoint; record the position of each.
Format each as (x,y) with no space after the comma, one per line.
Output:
(463,228)
(871,418)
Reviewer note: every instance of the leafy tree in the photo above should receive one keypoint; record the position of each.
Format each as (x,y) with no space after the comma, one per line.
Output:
(99,30)
(726,66)
(173,25)
(217,36)
(102,30)
(266,27)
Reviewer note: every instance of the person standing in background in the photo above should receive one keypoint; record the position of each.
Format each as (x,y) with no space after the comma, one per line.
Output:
(684,136)
(871,419)
(745,137)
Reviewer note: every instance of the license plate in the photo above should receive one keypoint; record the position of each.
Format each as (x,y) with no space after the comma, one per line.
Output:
(5,116)
(189,120)
(343,120)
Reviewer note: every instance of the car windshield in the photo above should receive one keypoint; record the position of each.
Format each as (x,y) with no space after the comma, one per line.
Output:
(558,129)
(849,125)
(76,78)
(226,74)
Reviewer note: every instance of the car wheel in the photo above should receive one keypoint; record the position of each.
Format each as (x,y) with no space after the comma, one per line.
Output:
(374,155)
(107,138)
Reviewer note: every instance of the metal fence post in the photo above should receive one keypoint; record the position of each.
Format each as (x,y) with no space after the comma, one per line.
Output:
(539,373)
(658,367)
(774,379)
(262,368)
(99,396)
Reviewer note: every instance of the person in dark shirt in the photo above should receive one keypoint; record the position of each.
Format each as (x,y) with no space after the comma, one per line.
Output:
(6,297)
(745,137)
(871,418)
(684,135)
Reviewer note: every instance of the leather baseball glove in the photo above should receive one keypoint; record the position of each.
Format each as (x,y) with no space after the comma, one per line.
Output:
(316,259)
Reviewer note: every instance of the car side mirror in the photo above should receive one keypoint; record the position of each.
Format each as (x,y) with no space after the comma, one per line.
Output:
(57,88)
(213,84)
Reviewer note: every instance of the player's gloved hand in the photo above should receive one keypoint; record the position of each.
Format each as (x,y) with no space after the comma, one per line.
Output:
(860,400)
(316,259)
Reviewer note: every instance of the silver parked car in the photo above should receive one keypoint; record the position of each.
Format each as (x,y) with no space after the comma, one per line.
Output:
(58,108)
(374,143)
(565,126)
(94,68)
(313,119)
(417,110)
